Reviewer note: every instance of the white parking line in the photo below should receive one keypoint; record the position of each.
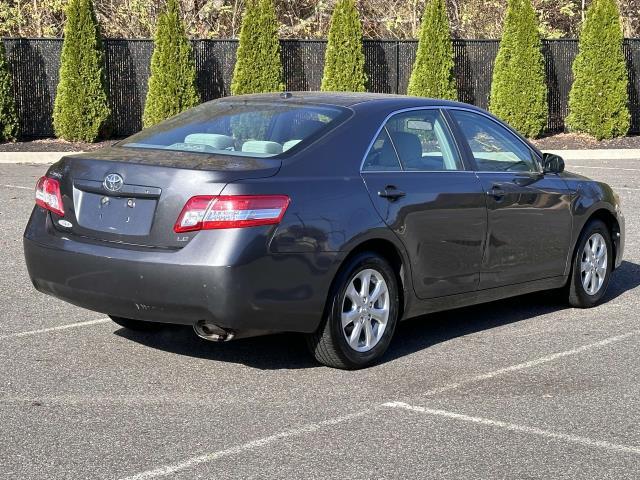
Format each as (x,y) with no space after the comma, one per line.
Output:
(296,432)
(54,329)
(17,186)
(567,437)
(260,442)
(531,363)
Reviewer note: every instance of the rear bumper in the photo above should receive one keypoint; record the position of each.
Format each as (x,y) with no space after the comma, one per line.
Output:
(225,277)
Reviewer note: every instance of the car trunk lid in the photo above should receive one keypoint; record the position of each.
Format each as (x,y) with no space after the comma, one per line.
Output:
(133,197)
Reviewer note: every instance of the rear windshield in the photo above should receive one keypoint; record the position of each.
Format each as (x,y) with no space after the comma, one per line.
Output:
(247,129)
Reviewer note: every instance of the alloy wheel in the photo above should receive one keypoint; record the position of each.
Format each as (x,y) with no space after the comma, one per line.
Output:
(365,310)
(593,264)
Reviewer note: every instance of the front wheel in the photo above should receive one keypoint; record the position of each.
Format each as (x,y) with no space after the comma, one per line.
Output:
(592,266)
(361,314)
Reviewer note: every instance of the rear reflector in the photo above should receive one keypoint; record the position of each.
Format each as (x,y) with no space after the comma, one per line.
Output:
(48,195)
(231,211)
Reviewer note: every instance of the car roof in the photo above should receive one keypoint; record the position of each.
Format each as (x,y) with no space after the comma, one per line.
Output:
(349,99)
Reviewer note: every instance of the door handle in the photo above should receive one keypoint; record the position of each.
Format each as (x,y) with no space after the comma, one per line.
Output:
(390,192)
(496,192)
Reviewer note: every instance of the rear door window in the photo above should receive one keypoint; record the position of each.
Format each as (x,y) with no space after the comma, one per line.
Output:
(249,129)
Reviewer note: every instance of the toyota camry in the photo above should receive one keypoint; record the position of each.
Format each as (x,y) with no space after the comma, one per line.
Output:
(333,215)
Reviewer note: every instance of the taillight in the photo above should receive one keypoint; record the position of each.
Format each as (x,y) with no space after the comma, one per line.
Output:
(231,211)
(48,195)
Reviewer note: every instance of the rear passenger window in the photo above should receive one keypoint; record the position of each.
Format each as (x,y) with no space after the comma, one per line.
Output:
(423,141)
(382,155)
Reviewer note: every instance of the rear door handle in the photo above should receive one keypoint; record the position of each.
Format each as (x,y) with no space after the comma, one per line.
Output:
(496,192)
(390,192)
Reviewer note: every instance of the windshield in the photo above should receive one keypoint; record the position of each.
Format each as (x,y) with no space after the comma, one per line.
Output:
(248,129)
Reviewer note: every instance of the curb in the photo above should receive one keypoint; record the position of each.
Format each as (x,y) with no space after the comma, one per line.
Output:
(32,157)
(598,154)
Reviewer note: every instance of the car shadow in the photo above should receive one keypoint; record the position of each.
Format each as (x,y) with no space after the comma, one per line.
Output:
(422,332)
(288,351)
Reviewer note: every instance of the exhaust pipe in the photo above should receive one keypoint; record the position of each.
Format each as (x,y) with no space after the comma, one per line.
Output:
(212,332)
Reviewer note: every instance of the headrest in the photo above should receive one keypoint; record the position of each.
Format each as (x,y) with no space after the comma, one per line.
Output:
(289,144)
(215,140)
(408,145)
(262,146)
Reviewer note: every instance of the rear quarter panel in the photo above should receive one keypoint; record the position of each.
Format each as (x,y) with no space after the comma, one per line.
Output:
(330,210)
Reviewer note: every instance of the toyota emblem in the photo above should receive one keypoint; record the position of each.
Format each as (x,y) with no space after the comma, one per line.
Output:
(113,182)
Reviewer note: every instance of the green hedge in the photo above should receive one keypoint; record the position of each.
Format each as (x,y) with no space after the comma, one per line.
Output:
(81,111)
(258,66)
(9,125)
(433,74)
(172,84)
(518,89)
(598,102)
(344,57)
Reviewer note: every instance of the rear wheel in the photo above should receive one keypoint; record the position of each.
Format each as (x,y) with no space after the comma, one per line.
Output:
(137,325)
(592,265)
(361,315)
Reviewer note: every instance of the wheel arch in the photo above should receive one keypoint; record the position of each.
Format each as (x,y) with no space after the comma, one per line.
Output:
(396,257)
(609,219)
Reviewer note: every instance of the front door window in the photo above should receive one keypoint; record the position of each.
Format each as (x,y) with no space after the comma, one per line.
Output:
(423,141)
(493,147)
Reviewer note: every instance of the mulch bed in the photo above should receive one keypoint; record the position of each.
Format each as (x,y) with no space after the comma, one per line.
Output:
(576,141)
(52,145)
(560,141)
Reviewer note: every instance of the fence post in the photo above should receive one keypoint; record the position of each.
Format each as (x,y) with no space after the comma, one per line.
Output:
(397,66)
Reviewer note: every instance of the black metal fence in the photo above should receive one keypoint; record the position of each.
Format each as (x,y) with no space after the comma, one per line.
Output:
(35,62)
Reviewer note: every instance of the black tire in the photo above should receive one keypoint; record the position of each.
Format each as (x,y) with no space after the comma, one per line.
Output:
(578,295)
(136,325)
(328,344)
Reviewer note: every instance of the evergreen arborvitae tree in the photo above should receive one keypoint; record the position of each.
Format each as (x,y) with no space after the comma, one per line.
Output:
(9,125)
(598,102)
(518,88)
(258,66)
(172,84)
(344,58)
(81,111)
(432,74)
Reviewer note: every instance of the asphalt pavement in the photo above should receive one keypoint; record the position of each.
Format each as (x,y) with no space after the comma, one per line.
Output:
(525,388)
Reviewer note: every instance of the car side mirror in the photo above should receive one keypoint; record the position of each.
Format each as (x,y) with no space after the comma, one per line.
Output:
(552,163)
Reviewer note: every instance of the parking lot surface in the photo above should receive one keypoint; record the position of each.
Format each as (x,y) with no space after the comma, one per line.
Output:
(525,388)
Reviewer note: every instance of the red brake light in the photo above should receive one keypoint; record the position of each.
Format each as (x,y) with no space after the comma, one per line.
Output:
(231,211)
(48,195)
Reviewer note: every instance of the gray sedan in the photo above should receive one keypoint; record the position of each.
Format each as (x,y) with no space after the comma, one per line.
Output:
(333,215)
